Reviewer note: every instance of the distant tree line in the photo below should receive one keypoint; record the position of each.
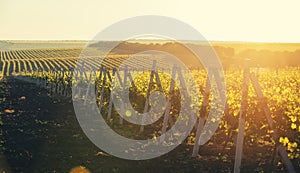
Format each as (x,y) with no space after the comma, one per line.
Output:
(227,55)
(268,58)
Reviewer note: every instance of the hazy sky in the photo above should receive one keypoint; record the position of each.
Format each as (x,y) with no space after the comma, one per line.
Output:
(224,20)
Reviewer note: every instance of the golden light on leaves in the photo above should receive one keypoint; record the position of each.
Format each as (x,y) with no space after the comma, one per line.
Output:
(284,140)
(79,169)
(293,126)
(128,113)
(9,111)
(293,118)
(100,153)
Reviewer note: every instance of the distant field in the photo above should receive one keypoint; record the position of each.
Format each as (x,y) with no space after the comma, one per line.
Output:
(15,62)
(242,46)
(27,56)
(238,46)
(19,56)
(24,44)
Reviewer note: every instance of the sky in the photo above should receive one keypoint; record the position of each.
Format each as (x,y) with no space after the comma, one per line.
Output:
(230,20)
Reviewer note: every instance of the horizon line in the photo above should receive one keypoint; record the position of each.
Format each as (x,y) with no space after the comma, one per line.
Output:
(157,40)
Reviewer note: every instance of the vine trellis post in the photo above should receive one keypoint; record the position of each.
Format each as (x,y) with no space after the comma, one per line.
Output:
(250,77)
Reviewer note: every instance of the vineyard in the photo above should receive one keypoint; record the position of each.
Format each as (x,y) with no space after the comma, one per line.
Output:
(53,70)
(15,62)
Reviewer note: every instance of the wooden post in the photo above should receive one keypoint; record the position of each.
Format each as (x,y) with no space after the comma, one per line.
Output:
(69,88)
(203,113)
(84,72)
(152,74)
(111,95)
(64,93)
(76,89)
(275,135)
(116,76)
(167,111)
(183,84)
(45,82)
(131,79)
(119,77)
(55,88)
(221,88)
(146,107)
(241,126)
(88,90)
(108,75)
(123,87)
(102,89)
(61,80)
(98,79)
